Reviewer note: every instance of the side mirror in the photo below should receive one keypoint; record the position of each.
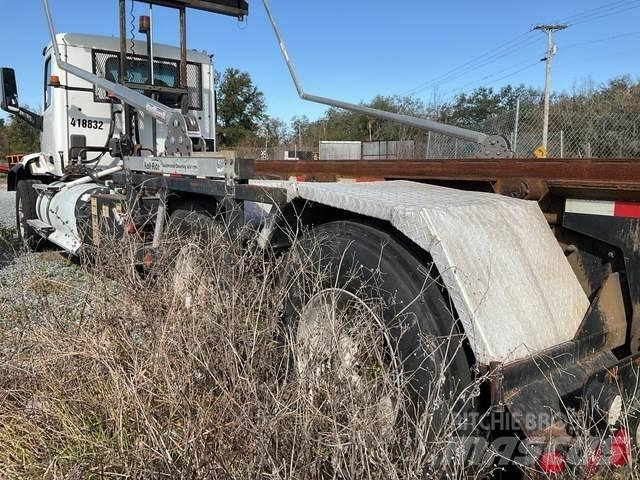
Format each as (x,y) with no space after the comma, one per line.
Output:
(9,91)
(9,99)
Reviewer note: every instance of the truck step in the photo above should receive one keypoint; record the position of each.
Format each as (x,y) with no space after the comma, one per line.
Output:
(40,226)
(46,187)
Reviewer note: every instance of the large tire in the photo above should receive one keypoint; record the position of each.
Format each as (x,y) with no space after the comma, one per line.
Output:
(361,260)
(26,198)
(190,222)
(193,228)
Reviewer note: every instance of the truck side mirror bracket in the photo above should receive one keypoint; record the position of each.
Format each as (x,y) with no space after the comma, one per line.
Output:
(9,99)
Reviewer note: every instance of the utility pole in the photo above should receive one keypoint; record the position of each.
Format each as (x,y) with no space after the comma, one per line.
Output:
(552,49)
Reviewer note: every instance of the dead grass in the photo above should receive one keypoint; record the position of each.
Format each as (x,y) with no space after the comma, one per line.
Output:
(8,239)
(188,373)
(46,286)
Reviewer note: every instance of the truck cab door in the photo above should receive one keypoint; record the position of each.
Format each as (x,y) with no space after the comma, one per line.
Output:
(53,140)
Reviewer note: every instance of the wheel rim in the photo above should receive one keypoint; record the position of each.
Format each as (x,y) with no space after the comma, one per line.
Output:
(186,272)
(192,281)
(330,344)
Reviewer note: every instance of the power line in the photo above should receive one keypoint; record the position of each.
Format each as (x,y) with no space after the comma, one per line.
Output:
(601,40)
(471,61)
(519,42)
(595,11)
(475,64)
(559,65)
(478,62)
(606,15)
(527,65)
(530,65)
(590,58)
(609,10)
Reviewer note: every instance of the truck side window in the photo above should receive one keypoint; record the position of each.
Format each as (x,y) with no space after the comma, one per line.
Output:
(47,83)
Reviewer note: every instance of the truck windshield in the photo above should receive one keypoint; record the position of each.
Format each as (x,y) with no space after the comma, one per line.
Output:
(166,74)
(106,64)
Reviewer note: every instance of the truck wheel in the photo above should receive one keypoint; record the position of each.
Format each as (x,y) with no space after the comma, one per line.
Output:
(26,198)
(192,229)
(362,276)
(190,222)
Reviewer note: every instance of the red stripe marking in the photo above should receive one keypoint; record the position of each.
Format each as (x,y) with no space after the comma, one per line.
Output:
(628,210)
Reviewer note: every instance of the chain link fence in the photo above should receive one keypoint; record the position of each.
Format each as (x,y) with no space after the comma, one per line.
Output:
(573,133)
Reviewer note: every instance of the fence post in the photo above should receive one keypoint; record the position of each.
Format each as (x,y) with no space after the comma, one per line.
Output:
(455,152)
(516,127)
(561,143)
(428,145)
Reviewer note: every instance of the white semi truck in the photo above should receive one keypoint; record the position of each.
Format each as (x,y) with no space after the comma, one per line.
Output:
(538,259)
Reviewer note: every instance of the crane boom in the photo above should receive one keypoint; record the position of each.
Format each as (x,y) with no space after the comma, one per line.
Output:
(175,121)
(490,145)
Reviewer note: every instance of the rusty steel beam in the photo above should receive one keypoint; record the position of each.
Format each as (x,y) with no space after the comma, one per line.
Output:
(621,173)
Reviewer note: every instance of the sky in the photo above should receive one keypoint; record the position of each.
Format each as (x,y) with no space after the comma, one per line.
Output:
(355,50)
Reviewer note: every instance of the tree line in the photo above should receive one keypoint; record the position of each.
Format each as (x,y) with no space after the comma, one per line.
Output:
(595,120)
(604,117)
(16,136)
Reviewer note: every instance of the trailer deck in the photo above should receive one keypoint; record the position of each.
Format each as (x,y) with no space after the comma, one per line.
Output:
(528,178)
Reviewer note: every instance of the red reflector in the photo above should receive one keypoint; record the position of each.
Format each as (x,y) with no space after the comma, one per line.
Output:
(130,227)
(619,449)
(593,464)
(147,260)
(552,462)
(627,210)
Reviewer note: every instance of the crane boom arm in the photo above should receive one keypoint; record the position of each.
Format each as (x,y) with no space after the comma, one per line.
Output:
(177,126)
(156,109)
(491,145)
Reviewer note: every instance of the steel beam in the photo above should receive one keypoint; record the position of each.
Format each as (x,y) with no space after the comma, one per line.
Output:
(618,173)
(183,60)
(234,8)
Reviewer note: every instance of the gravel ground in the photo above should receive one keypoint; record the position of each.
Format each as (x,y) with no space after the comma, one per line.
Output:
(7,207)
(32,283)
(8,243)
(29,279)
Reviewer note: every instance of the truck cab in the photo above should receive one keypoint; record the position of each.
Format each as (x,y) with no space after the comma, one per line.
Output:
(79,119)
